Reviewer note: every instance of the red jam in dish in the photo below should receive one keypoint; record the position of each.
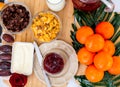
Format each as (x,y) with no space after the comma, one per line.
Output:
(53,63)
(86,5)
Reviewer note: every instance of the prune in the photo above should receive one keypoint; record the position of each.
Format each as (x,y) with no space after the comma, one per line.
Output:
(6,48)
(5,65)
(12,15)
(5,72)
(5,56)
(8,38)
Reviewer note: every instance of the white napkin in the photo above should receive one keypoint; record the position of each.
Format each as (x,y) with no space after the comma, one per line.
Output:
(5,1)
(2,84)
(72,83)
(117,7)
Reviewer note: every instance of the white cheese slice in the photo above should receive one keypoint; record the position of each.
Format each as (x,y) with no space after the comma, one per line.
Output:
(22,58)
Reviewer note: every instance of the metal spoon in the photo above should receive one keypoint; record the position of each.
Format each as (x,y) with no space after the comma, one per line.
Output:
(110,5)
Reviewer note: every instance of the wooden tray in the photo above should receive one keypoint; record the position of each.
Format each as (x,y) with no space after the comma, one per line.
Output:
(66,16)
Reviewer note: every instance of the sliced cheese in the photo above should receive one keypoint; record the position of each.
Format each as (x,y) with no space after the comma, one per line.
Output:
(22,58)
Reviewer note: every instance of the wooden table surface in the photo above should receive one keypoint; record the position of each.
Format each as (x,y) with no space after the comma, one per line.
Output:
(66,16)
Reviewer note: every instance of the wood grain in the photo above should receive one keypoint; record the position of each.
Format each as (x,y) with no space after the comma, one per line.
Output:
(66,16)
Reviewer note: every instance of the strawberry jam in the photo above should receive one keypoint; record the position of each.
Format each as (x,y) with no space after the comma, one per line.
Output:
(53,63)
(86,5)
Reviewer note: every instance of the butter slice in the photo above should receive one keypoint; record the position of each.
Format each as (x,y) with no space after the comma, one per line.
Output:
(22,58)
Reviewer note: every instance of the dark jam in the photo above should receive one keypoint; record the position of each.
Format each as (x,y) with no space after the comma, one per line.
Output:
(86,5)
(53,63)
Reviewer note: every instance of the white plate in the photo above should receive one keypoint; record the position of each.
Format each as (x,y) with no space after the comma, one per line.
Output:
(73,66)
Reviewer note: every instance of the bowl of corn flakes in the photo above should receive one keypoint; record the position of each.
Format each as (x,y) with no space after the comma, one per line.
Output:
(46,26)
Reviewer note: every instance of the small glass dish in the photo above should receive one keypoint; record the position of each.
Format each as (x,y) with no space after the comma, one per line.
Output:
(46,26)
(65,59)
(27,12)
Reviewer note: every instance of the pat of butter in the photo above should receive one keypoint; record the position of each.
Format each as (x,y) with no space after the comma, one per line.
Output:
(22,58)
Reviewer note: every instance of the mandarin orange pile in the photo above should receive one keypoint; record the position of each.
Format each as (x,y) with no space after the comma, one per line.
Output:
(98,51)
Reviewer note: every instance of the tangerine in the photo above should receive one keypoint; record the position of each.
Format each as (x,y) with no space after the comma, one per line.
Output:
(83,33)
(115,69)
(109,47)
(95,43)
(105,29)
(93,74)
(85,57)
(103,61)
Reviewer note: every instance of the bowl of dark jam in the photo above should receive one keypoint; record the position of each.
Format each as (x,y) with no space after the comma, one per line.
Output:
(55,62)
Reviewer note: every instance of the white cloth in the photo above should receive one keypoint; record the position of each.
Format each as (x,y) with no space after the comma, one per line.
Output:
(117,7)
(5,1)
(2,84)
(72,83)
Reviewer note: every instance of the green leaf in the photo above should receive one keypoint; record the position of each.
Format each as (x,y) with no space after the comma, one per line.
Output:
(116,22)
(73,35)
(116,78)
(92,19)
(85,18)
(117,84)
(77,45)
(109,16)
(117,45)
(79,20)
(99,12)
(99,84)
(102,16)
(107,81)
(117,49)
(74,27)
(116,19)
(117,52)
(83,81)
(114,38)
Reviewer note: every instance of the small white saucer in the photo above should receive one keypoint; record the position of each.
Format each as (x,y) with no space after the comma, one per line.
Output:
(72,58)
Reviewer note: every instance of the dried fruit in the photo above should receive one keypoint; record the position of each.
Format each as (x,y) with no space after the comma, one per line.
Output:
(5,72)
(5,65)
(8,38)
(15,17)
(5,56)
(6,48)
